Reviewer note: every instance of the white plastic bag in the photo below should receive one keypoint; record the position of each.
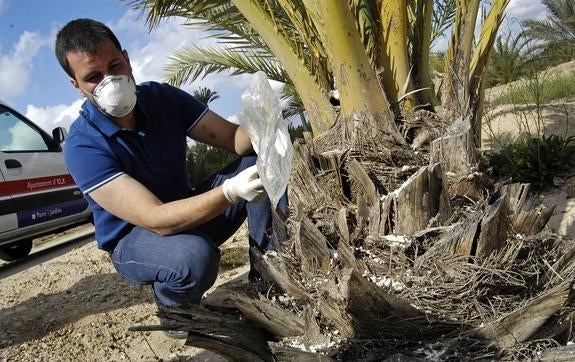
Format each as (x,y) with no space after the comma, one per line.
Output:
(262,119)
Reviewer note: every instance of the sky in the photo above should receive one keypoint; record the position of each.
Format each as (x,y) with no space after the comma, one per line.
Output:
(32,81)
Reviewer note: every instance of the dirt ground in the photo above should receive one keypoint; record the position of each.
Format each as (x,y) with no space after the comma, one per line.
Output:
(77,308)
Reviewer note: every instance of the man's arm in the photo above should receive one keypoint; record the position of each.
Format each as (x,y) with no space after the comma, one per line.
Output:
(131,201)
(214,130)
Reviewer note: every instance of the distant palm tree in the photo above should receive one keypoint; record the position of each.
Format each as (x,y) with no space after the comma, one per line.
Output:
(558,29)
(509,57)
(205,95)
(204,160)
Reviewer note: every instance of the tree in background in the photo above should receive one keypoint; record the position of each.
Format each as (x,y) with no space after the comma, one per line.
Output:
(203,160)
(205,95)
(555,34)
(535,45)
(511,57)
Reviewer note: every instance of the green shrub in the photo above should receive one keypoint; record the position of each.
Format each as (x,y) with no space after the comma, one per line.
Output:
(534,160)
(203,161)
(548,90)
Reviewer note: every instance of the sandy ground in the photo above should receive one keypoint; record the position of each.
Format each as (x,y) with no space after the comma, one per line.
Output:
(76,308)
(503,124)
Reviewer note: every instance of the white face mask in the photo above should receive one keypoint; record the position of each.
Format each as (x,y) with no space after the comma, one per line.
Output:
(115,95)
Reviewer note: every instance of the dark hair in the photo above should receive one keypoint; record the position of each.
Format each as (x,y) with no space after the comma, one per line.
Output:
(83,35)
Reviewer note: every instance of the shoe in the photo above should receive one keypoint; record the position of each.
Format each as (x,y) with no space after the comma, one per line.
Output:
(254,275)
(172,333)
(176,334)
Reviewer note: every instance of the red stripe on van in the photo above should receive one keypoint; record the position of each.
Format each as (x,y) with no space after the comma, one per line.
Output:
(26,186)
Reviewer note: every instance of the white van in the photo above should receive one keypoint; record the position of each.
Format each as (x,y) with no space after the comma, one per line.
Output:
(37,193)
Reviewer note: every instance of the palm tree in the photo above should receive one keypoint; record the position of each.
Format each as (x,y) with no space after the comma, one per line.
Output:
(558,27)
(556,33)
(348,184)
(509,58)
(205,95)
(287,41)
(203,160)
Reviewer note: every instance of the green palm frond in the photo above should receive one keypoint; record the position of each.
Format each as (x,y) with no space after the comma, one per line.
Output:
(558,27)
(197,12)
(193,63)
(222,20)
(443,16)
(549,30)
(562,10)
(292,104)
(509,57)
(369,26)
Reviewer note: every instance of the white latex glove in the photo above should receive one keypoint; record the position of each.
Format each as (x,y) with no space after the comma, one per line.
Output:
(246,185)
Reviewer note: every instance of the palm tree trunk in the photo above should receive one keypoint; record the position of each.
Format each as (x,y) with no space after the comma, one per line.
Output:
(393,57)
(362,98)
(456,92)
(421,75)
(314,94)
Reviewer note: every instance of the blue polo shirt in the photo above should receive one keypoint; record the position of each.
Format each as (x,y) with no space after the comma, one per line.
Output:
(97,151)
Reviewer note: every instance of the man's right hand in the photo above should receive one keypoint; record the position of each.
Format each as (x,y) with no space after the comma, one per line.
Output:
(246,185)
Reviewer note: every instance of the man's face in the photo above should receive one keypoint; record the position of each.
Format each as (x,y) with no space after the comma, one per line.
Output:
(90,69)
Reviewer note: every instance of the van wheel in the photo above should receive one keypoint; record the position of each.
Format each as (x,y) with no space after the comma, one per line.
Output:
(17,250)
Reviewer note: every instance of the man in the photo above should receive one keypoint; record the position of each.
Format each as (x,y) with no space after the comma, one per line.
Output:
(127,153)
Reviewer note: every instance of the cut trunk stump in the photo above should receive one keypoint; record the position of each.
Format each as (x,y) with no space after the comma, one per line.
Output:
(356,307)
(270,317)
(313,176)
(520,325)
(312,246)
(421,199)
(527,215)
(332,286)
(273,270)
(494,227)
(456,150)
(482,233)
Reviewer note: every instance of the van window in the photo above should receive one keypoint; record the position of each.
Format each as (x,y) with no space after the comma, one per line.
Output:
(16,135)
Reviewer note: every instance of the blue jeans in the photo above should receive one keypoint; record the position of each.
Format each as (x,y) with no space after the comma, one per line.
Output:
(183,266)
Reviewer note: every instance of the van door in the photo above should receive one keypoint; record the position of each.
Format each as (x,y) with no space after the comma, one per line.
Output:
(8,220)
(34,172)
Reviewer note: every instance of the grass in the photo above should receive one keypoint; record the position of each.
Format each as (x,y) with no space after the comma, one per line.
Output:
(234,257)
(538,90)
